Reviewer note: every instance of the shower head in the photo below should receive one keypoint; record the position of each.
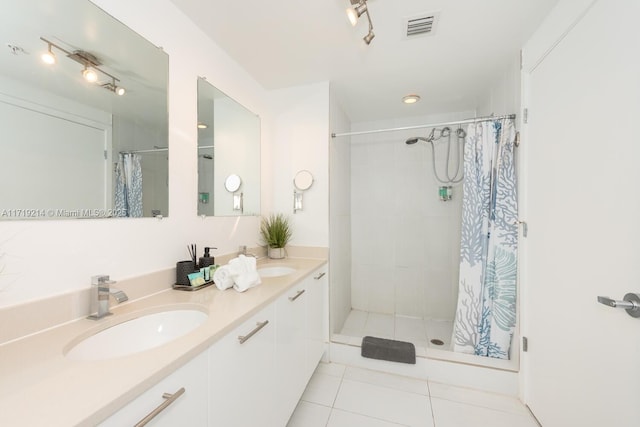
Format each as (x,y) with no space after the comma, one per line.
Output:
(415,139)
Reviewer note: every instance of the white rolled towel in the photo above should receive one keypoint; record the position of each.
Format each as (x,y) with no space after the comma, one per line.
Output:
(222,278)
(244,273)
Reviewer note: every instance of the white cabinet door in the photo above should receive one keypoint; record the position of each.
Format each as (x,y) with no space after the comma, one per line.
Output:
(316,313)
(291,349)
(189,409)
(241,374)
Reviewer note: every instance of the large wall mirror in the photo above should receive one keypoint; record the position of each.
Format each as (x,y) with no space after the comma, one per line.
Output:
(228,155)
(83,114)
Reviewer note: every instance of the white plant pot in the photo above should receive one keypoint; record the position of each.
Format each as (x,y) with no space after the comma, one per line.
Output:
(276,253)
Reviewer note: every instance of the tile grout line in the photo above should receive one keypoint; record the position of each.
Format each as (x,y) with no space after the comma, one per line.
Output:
(433,415)
(373,418)
(336,396)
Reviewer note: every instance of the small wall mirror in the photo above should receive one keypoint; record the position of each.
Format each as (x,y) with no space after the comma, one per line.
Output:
(75,124)
(228,155)
(232,183)
(302,181)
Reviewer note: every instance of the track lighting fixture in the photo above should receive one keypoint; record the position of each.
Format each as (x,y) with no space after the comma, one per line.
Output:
(90,63)
(357,9)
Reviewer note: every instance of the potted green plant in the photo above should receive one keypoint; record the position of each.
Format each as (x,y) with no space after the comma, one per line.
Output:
(276,233)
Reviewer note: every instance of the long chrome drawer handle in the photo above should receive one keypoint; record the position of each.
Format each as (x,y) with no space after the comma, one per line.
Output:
(170,398)
(260,325)
(320,276)
(297,295)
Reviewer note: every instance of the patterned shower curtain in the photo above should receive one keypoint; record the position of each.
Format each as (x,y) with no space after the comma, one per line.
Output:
(486,311)
(128,188)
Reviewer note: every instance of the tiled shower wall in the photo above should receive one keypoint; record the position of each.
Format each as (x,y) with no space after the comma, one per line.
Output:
(405,241)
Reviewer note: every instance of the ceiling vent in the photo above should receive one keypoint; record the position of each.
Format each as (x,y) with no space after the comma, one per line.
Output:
(424,24)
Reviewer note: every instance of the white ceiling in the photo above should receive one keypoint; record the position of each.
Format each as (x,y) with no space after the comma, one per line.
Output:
(284,43)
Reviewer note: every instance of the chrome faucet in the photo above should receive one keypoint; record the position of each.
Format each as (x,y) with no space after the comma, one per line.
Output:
(242,250)
(100,291)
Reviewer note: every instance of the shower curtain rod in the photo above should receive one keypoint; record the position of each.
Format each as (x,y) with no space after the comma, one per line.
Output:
(433,125)
(154,150)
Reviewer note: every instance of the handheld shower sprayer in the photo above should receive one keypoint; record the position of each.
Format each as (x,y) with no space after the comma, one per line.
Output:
(445,132)
(415,139)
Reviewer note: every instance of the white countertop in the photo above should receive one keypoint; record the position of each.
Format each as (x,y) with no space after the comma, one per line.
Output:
(39,386)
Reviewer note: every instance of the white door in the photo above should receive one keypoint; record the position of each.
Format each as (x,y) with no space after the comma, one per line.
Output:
(582,154)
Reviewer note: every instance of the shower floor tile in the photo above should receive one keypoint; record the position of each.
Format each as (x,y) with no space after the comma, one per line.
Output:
(410,329)
(439,330)
(355,323)
(402,328)
(380,325)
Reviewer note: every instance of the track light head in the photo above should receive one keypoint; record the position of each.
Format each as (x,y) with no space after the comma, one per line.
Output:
(367,39)
(113,87)
(355,12)
(89,75)
(49,57)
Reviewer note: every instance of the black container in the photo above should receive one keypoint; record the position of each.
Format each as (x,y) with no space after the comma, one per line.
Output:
(183,269)
(206,261)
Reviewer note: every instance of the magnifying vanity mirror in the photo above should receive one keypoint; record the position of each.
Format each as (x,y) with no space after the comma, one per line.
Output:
(232,183)
(228,155)
(302,181)
(83,112)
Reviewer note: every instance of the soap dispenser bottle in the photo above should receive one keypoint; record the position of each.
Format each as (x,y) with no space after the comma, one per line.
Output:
(207,259)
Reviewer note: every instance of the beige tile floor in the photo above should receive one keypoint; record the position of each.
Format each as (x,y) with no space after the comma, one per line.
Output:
(342,396)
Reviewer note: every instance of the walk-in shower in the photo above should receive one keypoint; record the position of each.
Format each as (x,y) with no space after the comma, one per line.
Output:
(404,242)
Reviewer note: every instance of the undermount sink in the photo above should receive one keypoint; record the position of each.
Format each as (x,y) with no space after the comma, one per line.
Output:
(275,271)
(136,335)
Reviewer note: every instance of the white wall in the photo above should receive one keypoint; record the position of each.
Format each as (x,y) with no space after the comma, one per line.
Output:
(405,241)
(301,141)
(503,96)
(339,219)
(43,258)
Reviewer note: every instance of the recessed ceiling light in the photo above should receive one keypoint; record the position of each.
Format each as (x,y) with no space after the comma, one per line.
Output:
(202,125)
(411,99)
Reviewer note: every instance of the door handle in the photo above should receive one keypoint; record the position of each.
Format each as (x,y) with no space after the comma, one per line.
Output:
(630,302)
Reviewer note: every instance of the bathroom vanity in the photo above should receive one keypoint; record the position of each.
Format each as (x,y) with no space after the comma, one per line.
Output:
(246,364)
